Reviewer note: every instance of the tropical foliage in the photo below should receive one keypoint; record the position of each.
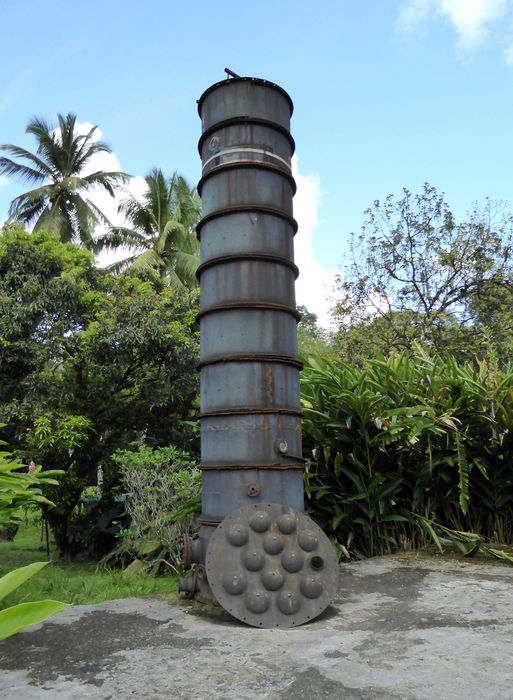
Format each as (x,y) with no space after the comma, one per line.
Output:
(408,435)
(90,363)
(60,203)
(417,275)
(21,487)
(162,499)
(17,617)
(160,230)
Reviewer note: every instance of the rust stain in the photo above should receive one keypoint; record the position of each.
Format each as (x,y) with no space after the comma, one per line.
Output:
(269,394)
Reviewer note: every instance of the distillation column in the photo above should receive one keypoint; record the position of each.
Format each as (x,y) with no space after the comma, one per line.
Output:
(261,557)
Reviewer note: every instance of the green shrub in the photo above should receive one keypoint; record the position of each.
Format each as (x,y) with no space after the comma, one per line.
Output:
(162,496)
(408,435)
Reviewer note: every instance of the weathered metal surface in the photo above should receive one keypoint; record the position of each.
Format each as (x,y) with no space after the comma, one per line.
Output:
(251,357)
(242,439)
(246,331)
(236,279)
(240,183)
(252,305)
(226,490)
(246,141)
(271,566)
(298,463)
(219,135)
(255,383)
(265,226)
(248,358)
(250,97)
(250,410)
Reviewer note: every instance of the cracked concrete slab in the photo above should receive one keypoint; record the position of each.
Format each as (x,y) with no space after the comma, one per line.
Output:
(400,627)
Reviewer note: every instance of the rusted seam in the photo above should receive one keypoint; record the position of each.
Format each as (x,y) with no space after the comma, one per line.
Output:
(246,467)
(235,121)
(254,305)
(256,357)
(236,257)
(249,411)
(214,522)
(245,208)
(242,164)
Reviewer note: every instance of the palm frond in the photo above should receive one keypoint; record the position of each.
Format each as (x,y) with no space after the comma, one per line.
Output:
(55,219)
(96,211)
(149,260)
(27,206)
(104,180)
(85,216)
(121,265)
(186,266)
(41,170)
(119,237)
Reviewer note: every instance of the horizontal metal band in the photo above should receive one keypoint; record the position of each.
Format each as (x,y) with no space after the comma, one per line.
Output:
(251,411)
(247,164)
(236,257)
(237,121)
(253,81)
(252,357)
(212,522)
(241,149)
(251,305)
(246,208)
(273,466)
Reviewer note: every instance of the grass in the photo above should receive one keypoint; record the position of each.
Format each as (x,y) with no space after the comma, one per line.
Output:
(78,582)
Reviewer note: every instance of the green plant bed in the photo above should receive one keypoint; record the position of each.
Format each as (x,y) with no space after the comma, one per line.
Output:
(77,582)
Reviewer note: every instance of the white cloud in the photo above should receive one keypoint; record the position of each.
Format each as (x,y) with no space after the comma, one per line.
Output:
(315,283)
(4,180)
(472,20)
(413,13)
(508,55)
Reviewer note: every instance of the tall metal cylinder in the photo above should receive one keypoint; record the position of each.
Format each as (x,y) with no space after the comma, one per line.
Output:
(259,555)
(250,409)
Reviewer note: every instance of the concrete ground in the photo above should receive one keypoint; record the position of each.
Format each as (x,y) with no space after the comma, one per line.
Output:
(401,627)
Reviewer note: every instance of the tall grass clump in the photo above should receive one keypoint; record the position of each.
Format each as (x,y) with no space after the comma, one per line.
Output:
(408,436)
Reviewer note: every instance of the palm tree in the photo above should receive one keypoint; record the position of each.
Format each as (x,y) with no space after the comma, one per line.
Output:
(160,230)
(59,204)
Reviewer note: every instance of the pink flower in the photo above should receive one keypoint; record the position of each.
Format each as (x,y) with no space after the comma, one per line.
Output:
(31,467)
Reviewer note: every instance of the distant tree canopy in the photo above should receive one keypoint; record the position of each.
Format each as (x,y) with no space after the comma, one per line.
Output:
(89,362)
(311,337)
(416,275)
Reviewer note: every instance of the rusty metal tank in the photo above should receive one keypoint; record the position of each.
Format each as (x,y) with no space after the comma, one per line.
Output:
(251,457)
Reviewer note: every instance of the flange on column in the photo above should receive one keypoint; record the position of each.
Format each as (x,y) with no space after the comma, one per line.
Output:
(271,566)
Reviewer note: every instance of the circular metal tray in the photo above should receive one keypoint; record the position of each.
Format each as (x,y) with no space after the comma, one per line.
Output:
(271,566)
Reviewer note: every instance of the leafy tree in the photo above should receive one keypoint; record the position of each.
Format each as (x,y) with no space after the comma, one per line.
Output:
(374,335)
(60,203)
(90,363)
(161,230)
(419,271)
(312,338)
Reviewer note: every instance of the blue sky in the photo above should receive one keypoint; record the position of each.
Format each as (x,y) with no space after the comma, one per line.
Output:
(387,93)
